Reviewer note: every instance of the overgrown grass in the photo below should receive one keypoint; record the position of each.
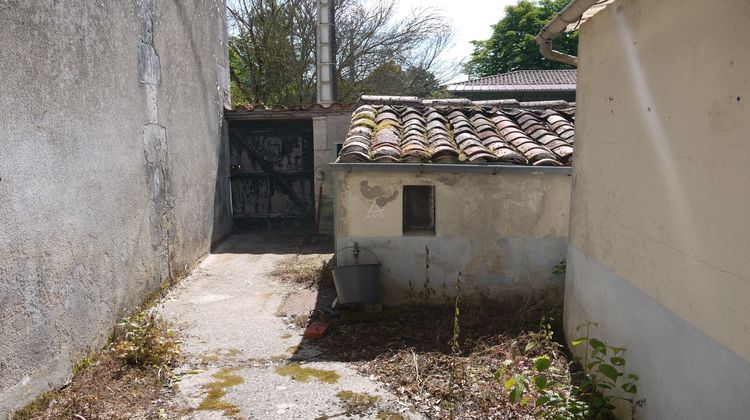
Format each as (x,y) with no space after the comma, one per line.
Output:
(307,270)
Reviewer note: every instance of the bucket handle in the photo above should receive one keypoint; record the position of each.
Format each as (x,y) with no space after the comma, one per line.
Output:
(356,246)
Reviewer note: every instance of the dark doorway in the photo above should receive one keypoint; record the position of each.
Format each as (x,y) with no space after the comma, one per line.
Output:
(272,174)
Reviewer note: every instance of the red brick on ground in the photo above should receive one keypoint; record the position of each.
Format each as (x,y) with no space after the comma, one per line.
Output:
(316,330)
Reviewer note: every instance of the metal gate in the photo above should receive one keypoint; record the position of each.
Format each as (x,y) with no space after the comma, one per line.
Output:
(272,174)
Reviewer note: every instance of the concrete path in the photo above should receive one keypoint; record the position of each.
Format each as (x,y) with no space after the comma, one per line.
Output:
(242,359)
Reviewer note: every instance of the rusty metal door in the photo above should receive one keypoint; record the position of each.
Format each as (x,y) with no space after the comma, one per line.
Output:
(272,174)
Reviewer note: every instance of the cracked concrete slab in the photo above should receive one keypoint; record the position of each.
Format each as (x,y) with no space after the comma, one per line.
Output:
(234,341)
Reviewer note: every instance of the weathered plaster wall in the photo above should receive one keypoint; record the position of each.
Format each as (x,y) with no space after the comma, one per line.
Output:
(327,131)
(503,232)
(660,199)
(110,169)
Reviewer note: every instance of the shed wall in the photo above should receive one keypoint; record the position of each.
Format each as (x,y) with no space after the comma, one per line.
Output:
(112,169)
(328,130)
(659,233)
(503,233)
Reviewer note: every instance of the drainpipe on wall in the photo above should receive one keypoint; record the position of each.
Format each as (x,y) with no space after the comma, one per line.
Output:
(570,14)
(326,52)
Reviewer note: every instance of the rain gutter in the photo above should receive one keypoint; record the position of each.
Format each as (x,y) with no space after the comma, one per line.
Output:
(556,27)
(455,168)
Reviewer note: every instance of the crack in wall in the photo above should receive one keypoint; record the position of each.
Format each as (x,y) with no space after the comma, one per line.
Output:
(155,141)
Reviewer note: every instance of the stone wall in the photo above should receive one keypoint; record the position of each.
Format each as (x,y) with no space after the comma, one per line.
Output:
(112,169)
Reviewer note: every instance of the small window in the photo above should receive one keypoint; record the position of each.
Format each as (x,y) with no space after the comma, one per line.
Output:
(419,209)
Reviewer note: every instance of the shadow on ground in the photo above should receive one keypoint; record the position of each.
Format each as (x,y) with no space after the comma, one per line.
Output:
(260,242)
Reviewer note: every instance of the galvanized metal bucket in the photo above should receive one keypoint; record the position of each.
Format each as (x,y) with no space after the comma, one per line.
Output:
(357,283)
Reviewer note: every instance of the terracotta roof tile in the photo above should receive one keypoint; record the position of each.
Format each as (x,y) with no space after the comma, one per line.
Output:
(392,129)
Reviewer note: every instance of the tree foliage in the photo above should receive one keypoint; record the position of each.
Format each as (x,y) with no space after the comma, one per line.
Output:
(272,50)
(512,46)
(390,79)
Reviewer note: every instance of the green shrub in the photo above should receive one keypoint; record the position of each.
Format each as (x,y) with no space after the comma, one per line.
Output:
(603,382)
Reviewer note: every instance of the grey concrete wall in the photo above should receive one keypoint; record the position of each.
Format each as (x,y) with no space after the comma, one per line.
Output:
(503,232)
(111,173)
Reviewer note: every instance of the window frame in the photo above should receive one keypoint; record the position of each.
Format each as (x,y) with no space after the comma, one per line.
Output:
(408,225)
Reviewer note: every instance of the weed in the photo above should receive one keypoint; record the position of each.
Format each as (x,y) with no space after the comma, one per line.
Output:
(300,321)
(34,408)
(455,339)
(604,383)
(561,268)
(303,374)
(143,339)
(126,376)
(82,364)
(415,354)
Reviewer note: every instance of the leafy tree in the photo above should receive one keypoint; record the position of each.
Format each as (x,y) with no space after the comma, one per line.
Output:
(272,49)
(512,45)
(386,79)
(421,82)
(390,79)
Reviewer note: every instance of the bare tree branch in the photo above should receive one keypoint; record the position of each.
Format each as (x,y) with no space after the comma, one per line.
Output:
(273,46)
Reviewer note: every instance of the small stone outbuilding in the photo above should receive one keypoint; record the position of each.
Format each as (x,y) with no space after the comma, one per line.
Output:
(451,191)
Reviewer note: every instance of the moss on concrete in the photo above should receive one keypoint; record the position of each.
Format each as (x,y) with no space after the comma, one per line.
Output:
(226,378)
(357,402)
(303,374)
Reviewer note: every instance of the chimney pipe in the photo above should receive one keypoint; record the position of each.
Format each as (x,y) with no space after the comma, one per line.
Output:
(326,52)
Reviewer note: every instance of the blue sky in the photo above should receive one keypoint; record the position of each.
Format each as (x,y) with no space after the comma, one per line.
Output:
(471,20)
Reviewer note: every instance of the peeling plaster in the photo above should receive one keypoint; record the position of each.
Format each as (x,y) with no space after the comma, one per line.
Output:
(376,193)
